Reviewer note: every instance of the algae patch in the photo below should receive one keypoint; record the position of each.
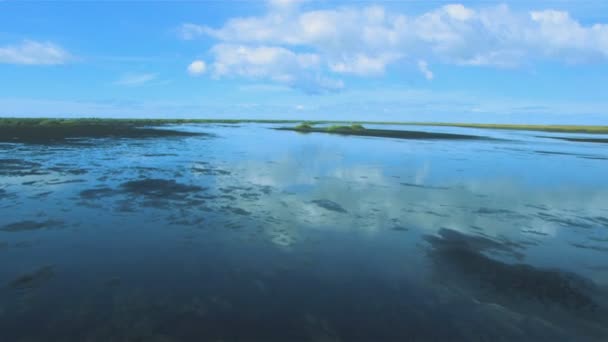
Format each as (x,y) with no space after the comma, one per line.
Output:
(29,225)
(34,279)
(156,187)
(329,205)
(461,258)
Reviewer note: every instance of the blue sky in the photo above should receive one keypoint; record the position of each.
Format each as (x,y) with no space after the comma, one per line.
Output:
(476,61)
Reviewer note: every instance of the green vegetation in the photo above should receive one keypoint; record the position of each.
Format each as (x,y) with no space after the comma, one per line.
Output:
(345,129)
(304,126)
(542,128)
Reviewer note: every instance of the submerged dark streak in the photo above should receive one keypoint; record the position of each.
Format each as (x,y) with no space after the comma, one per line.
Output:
(459,257)
(387,133)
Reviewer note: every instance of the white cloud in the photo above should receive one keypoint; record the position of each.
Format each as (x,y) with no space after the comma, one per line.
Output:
(423,66)
(30,52)
(133,80)
(190,31)
(298,70)
(366,40)
(363,65)
(198,67)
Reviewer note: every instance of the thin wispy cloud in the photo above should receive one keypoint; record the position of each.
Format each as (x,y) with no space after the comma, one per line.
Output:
(136,79)
(423,66)
(30,52)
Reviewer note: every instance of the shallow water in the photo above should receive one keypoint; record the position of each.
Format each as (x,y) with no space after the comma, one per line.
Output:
(256,234)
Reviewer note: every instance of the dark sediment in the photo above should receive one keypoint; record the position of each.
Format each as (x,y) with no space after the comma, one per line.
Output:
(459,256)
(32,280)
(387,133)
(28,225)
(591,140)
(57,133)
(329,205)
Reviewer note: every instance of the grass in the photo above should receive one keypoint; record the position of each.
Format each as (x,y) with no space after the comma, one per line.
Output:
(304,126)
(345,129)
(542,128)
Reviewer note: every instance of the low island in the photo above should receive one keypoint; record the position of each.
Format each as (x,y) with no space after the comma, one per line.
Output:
(359,130)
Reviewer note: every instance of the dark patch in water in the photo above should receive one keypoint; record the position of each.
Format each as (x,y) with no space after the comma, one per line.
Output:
(590,140)
(558,153)
(536,232)
(535,206)
(210,171)
(595,158)
(28,225)
(237,211)
(492,211)
(399,229)
(266,189)
(19,168)
(590,247)
(159,188)
(5,194)
(430,212)
(32,280)
(68,181)
(460,257)
(41,195)
(96,193)
(250,196)
(159,155)
(564,221)
(63,170)
(424,186)
(599,220)
(329,205)
(500,213)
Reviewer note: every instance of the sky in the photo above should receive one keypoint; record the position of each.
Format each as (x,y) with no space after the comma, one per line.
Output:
(394,60)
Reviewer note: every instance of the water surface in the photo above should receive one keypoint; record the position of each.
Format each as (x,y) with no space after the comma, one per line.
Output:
(253,234)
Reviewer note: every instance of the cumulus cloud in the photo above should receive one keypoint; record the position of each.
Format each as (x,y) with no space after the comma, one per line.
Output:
(281,65)
(31,52)
(198,67)
(366,40)
(133,80)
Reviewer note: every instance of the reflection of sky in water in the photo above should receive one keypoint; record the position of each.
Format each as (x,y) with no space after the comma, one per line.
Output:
(279,206)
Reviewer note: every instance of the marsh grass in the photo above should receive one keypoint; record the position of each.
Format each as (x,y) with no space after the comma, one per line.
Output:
(345,129)
(543,128)
(304,126)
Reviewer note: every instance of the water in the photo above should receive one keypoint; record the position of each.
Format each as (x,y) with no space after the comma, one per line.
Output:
(253,234)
